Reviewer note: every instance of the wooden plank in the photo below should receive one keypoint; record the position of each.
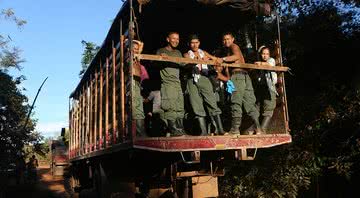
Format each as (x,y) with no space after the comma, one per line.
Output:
(209,62)
(96,111)
(91,117)
(205,186)
(122,85)
(83,118)
(87,102)
(107,103)
(101,108)
(114,121)
(70,130)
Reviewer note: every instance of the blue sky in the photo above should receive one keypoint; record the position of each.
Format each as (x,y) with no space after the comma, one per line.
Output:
(51,44)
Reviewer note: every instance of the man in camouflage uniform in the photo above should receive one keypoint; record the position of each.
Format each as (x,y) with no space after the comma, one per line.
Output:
(201,91)
(172,99)
(243,96)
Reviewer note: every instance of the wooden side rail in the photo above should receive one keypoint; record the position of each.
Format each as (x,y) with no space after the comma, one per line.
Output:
(209,62)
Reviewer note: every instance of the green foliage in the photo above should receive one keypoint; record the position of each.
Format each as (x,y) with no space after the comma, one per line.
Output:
(13,113)
(90,50)
(13,103)
(9,55)
(324,108)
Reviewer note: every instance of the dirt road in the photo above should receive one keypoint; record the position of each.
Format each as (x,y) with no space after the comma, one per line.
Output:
(46,187)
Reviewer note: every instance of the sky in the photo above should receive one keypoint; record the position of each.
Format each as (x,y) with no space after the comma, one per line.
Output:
(51,45)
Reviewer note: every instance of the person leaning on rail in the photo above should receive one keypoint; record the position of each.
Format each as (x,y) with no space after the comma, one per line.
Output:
(200,88)
(139,71)
(265,88)
(172,98)
(243,95)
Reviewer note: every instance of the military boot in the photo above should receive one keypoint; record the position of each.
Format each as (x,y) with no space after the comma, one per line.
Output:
(216,120)
(180,124)
(202,125)
(174,130)
(140,128)
(264,123)
(235,125)
(258,130)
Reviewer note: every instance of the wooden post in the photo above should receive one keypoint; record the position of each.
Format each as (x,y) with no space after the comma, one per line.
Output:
(80,121)
(91,115)
(87,102)
(122,86)
(107,103)
(114,121)
(101,107)
(83,115)
(70,130)
(78,126)
(96,111)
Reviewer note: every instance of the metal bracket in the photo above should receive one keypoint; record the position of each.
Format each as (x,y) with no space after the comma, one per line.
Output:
(242,154)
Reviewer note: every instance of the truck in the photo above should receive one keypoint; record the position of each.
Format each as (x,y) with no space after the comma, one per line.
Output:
(59,155)
(105,153)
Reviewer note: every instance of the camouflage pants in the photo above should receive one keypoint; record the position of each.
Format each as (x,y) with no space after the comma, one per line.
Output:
(137,103)
(201,94)
(243,96)
(172,101)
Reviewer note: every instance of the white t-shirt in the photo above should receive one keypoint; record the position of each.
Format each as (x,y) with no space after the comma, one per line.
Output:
(272,62)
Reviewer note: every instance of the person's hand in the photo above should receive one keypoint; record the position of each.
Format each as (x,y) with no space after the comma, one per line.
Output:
(218,61)
(257,63)
(206,58)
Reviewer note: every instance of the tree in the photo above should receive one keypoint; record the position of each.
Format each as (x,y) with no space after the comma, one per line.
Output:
(90,50)
(323,158)
(13,104)
(9,55)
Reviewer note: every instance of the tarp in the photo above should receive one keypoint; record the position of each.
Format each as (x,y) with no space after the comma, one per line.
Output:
(259,6)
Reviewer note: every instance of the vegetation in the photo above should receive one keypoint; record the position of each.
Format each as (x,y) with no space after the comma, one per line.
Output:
(324,107)
(14,106)
(90,50)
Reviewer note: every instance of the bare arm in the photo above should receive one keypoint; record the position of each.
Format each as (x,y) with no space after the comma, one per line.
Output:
(237,56)
(210,56)
(262,63)
(221,76)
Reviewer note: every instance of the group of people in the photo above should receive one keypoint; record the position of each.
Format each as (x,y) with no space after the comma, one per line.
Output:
(202,86)
(30,168)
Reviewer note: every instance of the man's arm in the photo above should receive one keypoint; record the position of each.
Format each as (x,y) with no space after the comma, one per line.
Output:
(237,56)
(210,56)
(221,76)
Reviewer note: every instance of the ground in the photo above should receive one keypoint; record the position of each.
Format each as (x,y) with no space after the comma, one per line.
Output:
(46,187)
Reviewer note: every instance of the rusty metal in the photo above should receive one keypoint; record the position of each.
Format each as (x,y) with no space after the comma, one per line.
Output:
(107,103)
(101,108)
(114,121)
(207,143)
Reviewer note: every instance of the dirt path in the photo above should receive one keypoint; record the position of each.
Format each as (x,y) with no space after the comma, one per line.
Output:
(46,187)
